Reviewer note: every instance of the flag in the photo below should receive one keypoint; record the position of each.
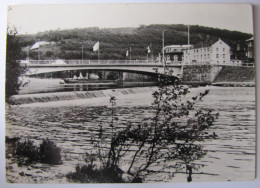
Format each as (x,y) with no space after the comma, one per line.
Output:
(96,46)
(35,46)
(148,50)
(126,53)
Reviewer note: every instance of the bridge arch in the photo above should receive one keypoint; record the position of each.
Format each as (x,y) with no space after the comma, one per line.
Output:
(146,68)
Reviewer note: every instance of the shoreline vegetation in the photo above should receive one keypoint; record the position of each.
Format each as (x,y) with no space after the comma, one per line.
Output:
(234,84)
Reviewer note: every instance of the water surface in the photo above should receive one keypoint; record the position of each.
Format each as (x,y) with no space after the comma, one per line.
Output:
(71,124)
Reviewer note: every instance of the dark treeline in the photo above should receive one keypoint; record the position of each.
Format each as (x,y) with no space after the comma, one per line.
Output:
(115,42)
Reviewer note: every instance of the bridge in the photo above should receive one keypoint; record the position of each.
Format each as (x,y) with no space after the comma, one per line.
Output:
(138,66)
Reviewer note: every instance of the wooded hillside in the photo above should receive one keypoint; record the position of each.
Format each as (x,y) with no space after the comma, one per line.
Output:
(115,42)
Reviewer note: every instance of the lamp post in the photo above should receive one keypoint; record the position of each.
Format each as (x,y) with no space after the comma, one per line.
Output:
(82,52)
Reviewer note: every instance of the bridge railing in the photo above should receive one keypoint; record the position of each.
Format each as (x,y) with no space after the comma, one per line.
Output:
(231,63)
(95,62)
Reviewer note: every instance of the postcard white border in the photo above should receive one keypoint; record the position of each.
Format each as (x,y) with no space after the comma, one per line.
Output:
(3,13)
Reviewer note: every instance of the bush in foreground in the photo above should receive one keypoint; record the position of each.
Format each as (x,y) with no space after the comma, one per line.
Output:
(47,152)
(91,174)
(27,149)
(50,153)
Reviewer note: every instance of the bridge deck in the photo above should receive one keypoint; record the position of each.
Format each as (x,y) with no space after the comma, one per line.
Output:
(141,66)
(96,62)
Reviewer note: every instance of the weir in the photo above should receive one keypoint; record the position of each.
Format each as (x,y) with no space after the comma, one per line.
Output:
(50,97)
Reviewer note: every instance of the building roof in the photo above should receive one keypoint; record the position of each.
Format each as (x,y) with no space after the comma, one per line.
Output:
(178,46)
(204,44)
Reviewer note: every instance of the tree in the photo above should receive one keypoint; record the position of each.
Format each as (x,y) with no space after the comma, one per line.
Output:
(148,147)
(13,68)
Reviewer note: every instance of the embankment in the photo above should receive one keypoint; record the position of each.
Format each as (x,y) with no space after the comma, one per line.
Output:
(235,76)
(200,74)
(219,75)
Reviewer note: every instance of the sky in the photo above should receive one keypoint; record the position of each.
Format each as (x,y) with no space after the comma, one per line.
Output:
(29,19)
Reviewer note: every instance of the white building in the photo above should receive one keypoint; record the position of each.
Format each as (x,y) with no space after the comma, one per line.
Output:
(216,53)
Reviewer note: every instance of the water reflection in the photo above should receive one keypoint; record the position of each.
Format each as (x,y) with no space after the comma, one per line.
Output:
(36,85)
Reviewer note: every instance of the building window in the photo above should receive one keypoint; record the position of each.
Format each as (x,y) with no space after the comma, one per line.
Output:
(238,47)
(250,54)
(216,55)
(175,58)
(223,55)
(223,49)
(224,62)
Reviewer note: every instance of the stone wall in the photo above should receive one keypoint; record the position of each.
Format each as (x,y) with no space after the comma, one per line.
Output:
(200,73)
(236,74)
(207,74)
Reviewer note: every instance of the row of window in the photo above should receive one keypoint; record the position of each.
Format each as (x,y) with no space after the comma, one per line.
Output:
(205,50)
(217,55)
(175,57)
(222,49)
(167,50)
(206,56)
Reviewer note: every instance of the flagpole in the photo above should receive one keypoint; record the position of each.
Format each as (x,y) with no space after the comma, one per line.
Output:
(152,51)
(98,47)
(38,54)
(28,54)
(98,55)
(82,52)
(189,43)
(163,49)
(130,53)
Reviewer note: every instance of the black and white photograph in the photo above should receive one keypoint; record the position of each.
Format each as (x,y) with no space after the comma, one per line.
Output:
(130,93)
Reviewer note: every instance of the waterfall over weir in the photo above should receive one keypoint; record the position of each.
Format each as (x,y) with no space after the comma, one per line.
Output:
(60,96)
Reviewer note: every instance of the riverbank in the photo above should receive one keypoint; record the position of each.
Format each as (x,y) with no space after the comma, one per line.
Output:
(218,75)
(234,84)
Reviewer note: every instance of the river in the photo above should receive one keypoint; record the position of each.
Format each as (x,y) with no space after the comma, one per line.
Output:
(70,124)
